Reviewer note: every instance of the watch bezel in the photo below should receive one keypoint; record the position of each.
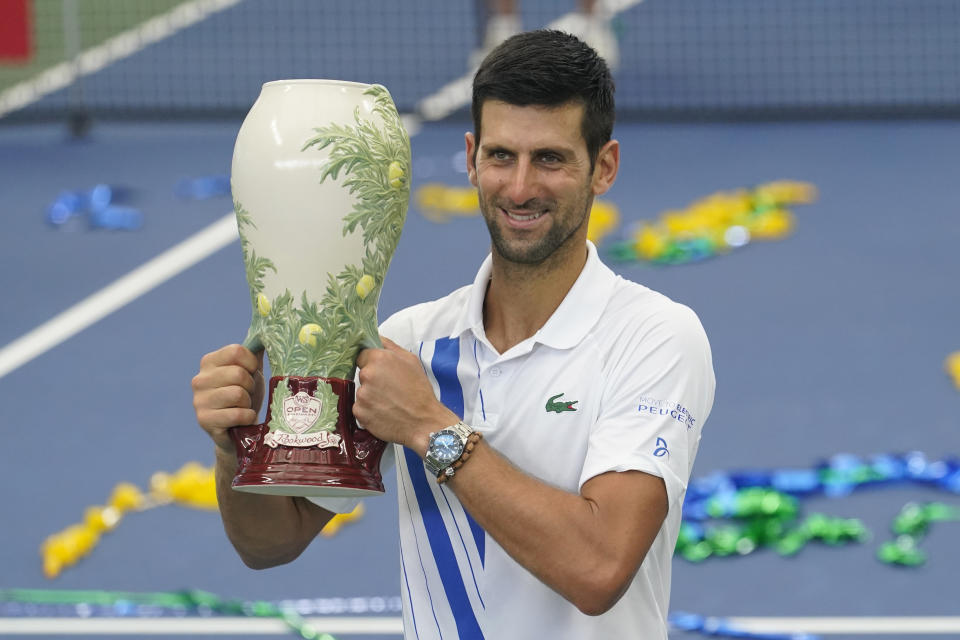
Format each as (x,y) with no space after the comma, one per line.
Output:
(460,445)
(436,465)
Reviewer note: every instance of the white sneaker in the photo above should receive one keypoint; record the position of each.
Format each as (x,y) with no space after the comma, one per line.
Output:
(599,35)
(499,28)
(596,31)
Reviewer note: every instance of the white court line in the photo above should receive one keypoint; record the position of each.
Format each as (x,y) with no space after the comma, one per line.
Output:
(116,48)
(394,625)
(119,293)
(850,625)
(195,626)
(204,243)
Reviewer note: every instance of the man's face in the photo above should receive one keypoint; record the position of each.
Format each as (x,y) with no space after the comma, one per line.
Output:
(532,173)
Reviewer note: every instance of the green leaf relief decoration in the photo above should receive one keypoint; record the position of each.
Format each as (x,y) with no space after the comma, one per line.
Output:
(323,339)
(329,413)
(373,164)
(257,268)
(280,393)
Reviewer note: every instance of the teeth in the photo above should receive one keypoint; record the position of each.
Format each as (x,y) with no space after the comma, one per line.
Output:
(532,216)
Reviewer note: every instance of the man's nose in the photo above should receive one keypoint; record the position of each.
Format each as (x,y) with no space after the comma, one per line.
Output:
(523,183)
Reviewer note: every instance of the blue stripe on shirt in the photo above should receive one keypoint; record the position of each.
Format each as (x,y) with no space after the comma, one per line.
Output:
(463,614)
(446,357)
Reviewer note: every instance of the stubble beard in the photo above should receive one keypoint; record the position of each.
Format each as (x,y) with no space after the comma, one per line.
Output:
(564,226)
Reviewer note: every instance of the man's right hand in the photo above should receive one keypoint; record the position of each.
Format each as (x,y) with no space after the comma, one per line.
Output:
(265,530)
(228,391)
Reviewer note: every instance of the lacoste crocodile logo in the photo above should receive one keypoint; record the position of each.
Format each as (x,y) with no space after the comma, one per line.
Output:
(559,406)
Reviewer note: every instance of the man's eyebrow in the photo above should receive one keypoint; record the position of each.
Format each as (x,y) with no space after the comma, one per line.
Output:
(560,151)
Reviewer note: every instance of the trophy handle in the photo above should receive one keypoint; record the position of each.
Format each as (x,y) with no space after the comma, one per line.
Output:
(253,341)
(368,449)
(247,438)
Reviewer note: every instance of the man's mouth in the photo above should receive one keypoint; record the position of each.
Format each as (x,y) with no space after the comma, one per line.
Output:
(520,217)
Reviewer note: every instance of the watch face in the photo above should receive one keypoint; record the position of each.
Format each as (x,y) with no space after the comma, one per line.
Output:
(446,447)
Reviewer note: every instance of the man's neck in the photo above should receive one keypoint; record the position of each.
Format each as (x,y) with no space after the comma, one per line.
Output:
(521,298)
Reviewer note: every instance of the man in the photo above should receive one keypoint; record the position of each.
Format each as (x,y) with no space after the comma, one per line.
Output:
(589,392)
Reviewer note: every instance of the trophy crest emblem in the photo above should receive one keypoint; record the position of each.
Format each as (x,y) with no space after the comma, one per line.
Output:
(301,411)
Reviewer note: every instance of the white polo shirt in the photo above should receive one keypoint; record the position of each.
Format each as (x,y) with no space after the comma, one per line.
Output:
(619,378)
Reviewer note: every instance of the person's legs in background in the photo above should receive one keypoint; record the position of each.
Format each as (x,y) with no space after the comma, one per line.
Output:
(592,23)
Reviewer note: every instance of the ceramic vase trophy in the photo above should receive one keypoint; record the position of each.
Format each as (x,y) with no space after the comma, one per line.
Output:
(320,188)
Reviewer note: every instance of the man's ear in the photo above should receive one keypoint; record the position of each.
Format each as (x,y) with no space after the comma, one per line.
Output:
(606,167)
(471,157)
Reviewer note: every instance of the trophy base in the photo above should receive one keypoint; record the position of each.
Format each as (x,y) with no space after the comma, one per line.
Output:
(301,491)
(350,469)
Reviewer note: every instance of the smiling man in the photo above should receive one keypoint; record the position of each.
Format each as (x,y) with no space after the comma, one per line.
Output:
(538,499)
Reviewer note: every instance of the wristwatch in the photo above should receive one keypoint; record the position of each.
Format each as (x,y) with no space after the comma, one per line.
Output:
(445,448)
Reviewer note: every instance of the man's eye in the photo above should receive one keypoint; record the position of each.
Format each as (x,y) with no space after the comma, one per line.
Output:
(500,155)
(549,158)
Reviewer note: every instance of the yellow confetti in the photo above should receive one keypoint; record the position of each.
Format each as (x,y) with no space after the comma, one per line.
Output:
(604,218)
(439,202)
(193,485)
(720,222)
(952,366)
(341,519)
(125,497)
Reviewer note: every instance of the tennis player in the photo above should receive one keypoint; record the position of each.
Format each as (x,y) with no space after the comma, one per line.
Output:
(545,417)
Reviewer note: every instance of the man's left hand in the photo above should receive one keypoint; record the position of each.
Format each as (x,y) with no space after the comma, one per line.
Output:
(395,401)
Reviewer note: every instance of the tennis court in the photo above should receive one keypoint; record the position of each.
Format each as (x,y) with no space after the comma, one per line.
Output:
(829,341)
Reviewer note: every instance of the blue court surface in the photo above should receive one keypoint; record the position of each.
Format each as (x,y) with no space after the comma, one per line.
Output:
(829,341)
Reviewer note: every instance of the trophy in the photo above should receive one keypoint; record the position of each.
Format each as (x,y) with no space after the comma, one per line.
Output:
(320,182)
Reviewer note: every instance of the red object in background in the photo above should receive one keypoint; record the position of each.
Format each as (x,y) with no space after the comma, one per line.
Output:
(15,40)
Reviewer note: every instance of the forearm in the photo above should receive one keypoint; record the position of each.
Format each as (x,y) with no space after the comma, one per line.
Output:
(566,540)
(265,530)
(587,546)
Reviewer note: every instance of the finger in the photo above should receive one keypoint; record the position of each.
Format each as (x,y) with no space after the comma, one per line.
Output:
(233,397)
(390,345)
(363,359)
(223,376)
(225,418)
(235,354)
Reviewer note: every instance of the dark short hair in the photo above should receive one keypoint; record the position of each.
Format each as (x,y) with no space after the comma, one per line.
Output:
(549,68)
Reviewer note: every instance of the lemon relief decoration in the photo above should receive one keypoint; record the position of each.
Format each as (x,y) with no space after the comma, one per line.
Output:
(308,334)
(396,175)
(263,304)
(365,286)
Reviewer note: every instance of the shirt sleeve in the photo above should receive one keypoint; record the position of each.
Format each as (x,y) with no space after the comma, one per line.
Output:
(392,328)
(659,387)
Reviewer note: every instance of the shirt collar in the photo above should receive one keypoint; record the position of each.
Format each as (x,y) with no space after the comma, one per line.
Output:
(573,319)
